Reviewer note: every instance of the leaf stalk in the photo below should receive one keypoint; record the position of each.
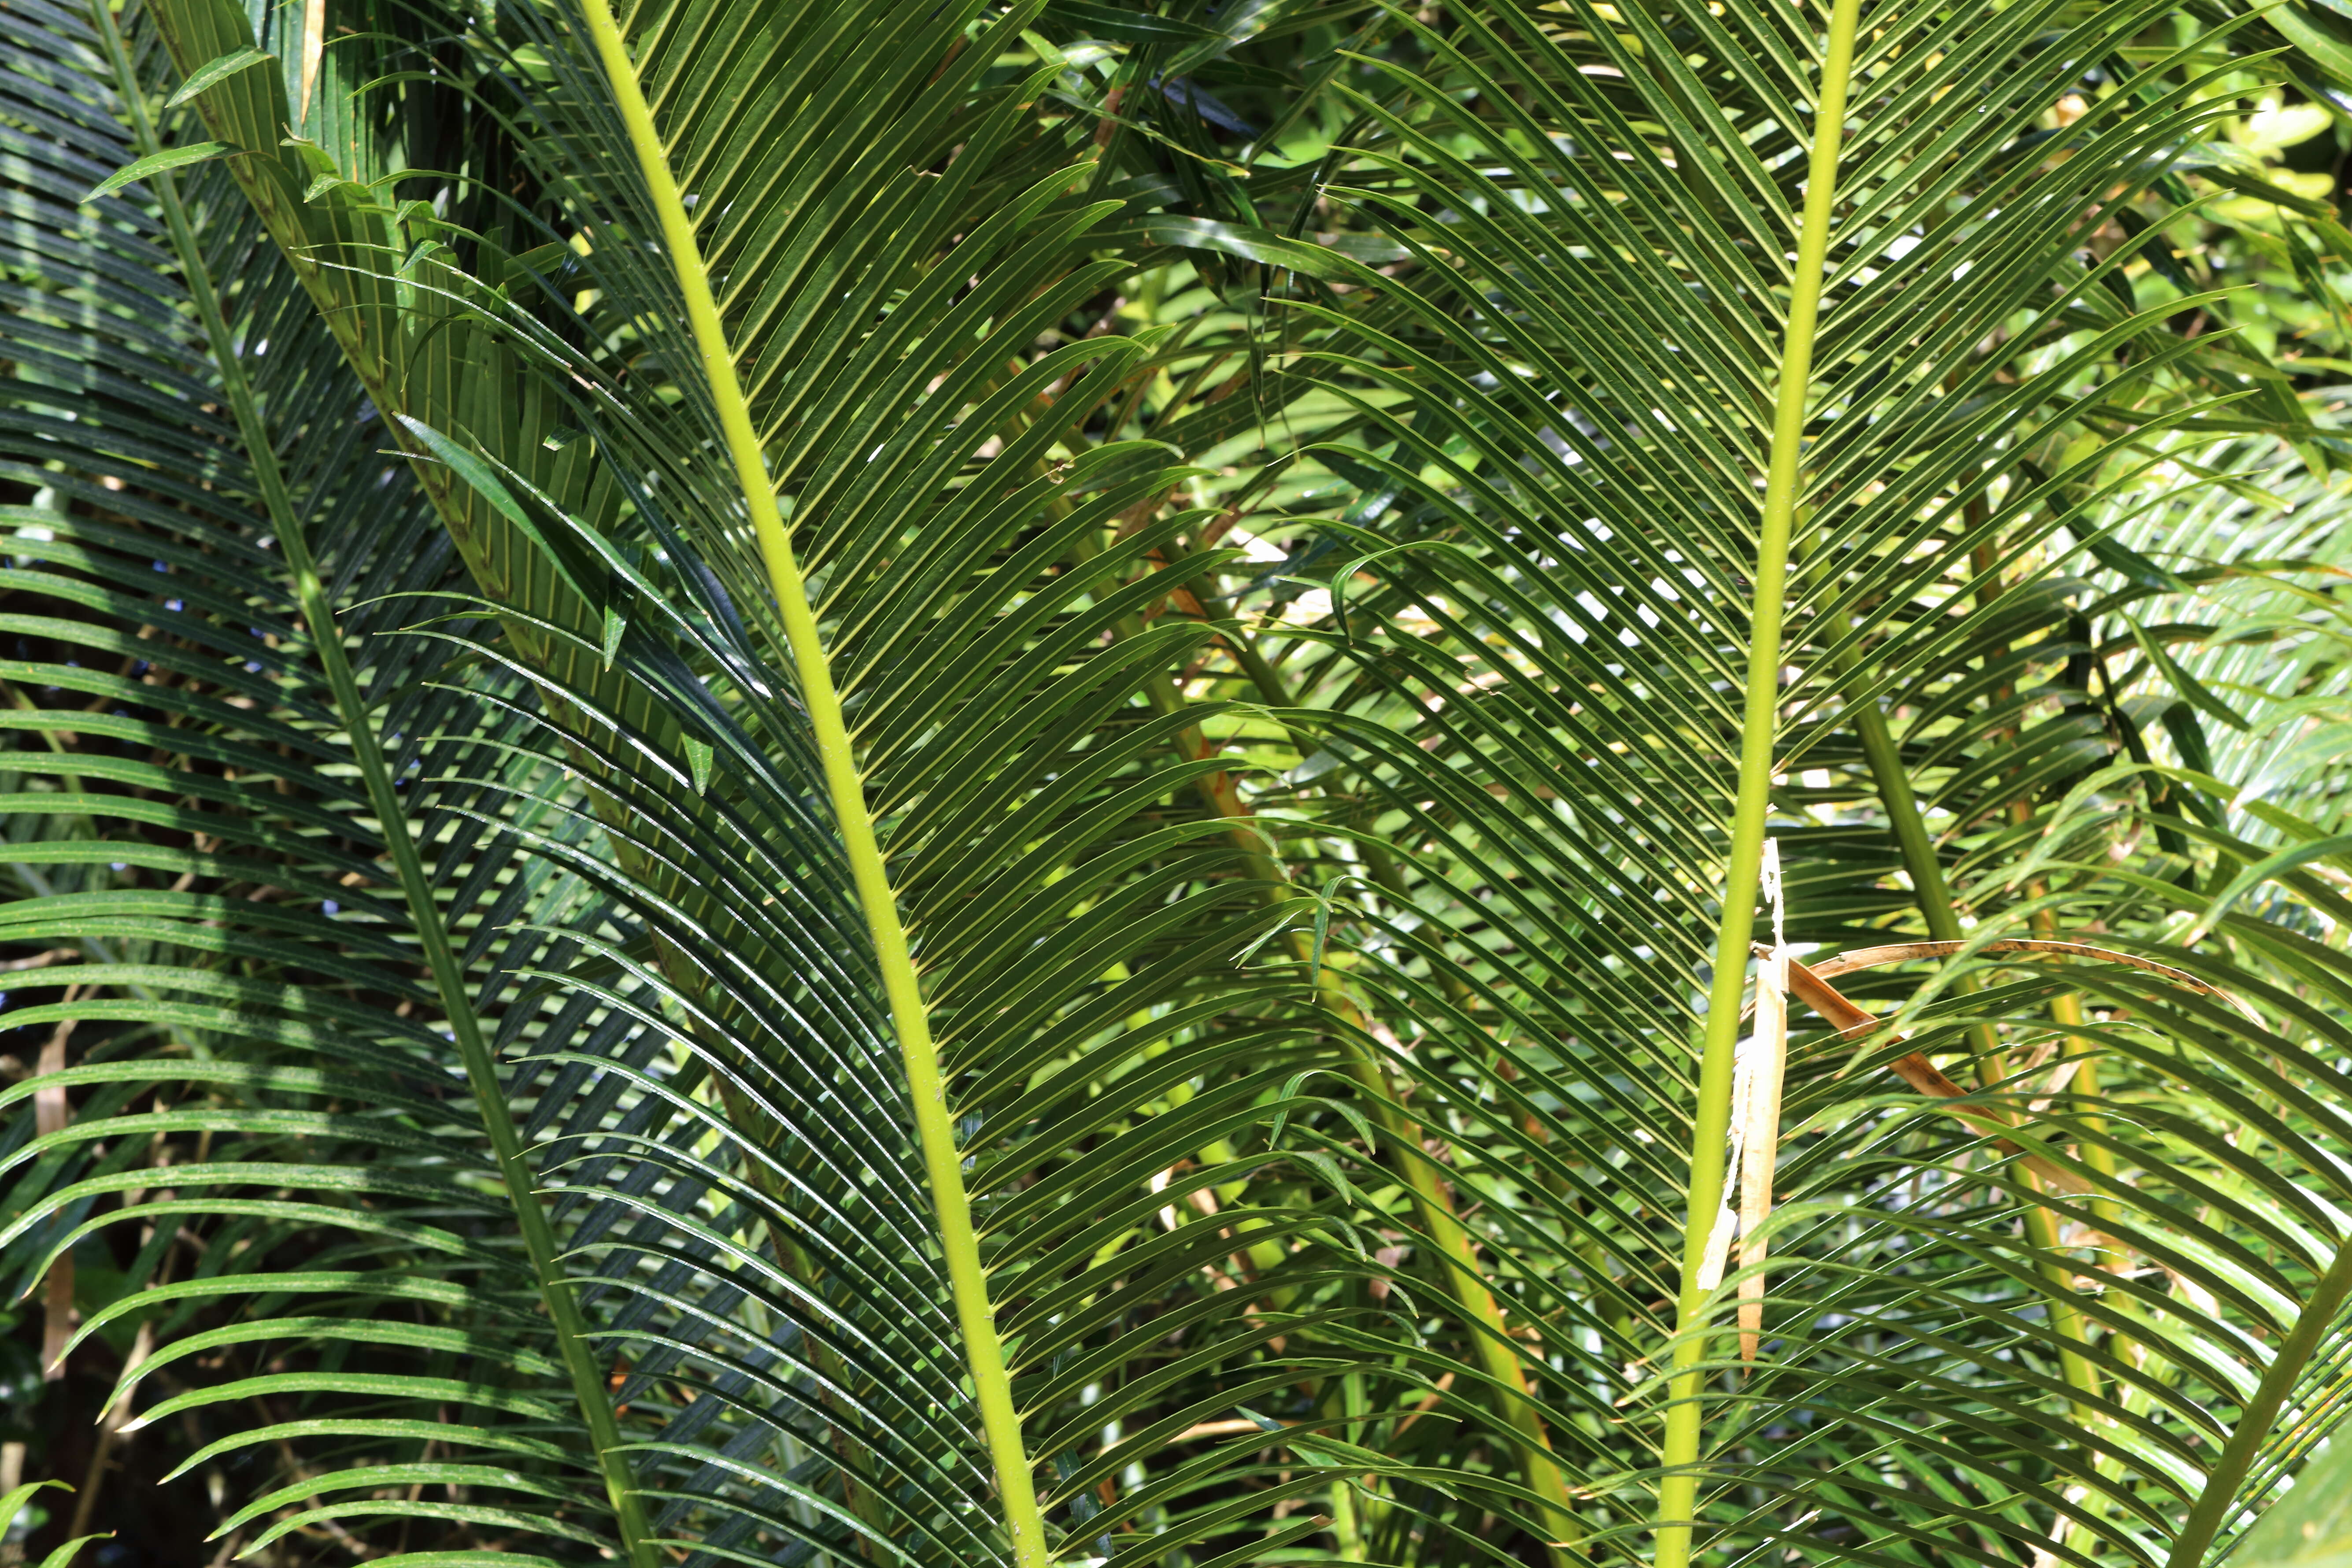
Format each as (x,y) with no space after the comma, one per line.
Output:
(925,1082)
(1679,1485)
(582,1370)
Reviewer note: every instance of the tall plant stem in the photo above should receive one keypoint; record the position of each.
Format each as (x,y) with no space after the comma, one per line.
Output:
(514,1166)
(1920,862)
(1399,1138)
(1678,1489)
(1942,917)
(926,1083)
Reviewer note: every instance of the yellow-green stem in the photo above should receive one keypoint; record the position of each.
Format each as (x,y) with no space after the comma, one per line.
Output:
(1909,829)
(1679,1488)
(1460,1275)
(1936,909)
(539,1244)
(2219,1498)
(1457,1249)
(926,1084)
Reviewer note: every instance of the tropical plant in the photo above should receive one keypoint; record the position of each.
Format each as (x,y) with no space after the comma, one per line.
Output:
(852,783)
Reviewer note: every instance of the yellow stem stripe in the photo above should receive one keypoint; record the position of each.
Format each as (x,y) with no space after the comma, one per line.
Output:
(984,1355)
(1678,1489)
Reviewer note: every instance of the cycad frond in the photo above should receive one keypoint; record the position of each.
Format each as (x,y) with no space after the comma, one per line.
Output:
(222,768)
(977,678)
(1566,413)
(795,984)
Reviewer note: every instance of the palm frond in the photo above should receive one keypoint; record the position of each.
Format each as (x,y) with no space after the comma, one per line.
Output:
(214,852)
(1077,1005)
(1565,413)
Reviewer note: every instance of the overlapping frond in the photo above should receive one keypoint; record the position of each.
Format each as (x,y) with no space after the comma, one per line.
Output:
(189,833)
(764,999)
(719,1080)
(1529,685)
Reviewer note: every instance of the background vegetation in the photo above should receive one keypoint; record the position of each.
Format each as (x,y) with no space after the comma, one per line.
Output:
(839,781)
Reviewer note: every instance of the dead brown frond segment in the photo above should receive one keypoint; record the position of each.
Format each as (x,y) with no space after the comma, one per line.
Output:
(1807,984)
(1905,951)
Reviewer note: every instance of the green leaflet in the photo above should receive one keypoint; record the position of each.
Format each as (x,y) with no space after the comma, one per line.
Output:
(63,1556)
(457,1433)
(206,75)
(157,163)
(388,1475)
(475,1396)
